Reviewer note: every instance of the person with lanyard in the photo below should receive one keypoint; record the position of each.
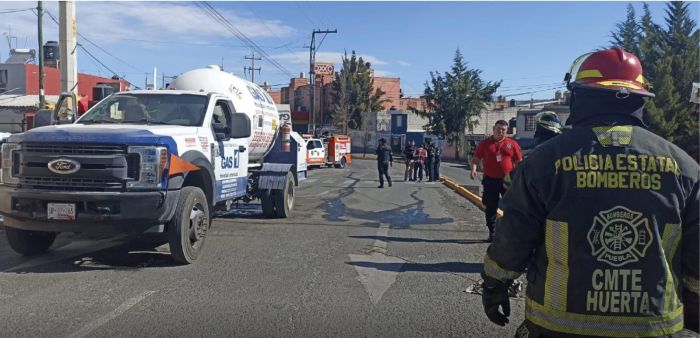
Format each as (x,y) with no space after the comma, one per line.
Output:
(499,155)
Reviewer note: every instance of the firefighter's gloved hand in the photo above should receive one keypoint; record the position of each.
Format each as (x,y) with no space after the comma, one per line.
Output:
(495,295)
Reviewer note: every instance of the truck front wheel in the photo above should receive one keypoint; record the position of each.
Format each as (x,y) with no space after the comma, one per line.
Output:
(29,243)
(188,228)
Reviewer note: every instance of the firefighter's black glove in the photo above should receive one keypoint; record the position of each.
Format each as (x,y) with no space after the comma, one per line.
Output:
(495,295)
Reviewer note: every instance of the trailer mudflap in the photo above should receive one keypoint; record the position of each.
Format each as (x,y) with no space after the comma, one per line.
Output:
(273,176)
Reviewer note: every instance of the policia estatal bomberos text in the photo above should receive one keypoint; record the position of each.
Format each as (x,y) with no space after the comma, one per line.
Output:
(604,218)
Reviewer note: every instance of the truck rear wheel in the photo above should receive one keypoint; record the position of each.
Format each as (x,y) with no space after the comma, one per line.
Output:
(341,165)
(268,204)
(187,230)
(29,243)
(284,199)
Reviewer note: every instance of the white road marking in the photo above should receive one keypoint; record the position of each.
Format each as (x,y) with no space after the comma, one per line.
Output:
(114,314)
(348,182)
(380,271)
(68,251)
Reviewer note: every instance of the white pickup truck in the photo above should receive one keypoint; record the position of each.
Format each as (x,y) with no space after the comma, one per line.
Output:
(145,160)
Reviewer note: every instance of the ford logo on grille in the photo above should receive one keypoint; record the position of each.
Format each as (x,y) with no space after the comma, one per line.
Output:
(64,166)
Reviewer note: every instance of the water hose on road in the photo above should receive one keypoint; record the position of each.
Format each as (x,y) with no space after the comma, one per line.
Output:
(472,197)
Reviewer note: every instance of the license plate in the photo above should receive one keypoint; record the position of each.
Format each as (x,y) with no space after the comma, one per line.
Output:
(61,211)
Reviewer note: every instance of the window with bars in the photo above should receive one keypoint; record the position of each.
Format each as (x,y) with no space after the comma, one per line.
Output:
(530,122)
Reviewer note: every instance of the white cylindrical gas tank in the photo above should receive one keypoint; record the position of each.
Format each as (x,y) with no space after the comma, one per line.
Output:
(247,98)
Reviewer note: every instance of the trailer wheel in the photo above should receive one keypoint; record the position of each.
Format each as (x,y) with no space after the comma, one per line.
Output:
(187,230)
(284,199)
(341,165)
(29,243)
(268,204)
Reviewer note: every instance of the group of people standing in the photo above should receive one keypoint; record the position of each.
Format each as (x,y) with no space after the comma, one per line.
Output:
(419,161)
(422,160)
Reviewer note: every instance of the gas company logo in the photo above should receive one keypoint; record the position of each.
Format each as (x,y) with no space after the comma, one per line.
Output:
(619,236)
(63,166)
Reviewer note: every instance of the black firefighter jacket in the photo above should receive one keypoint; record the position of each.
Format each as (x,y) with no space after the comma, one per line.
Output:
(605,220)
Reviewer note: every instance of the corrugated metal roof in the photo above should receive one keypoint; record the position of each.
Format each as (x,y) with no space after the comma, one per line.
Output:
(24,100)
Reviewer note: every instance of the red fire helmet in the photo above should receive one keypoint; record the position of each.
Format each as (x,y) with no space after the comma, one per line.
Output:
(610,69)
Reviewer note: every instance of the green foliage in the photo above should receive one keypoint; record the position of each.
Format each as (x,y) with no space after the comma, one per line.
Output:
(669,56)
(455,100)
(628,32)
(352,93)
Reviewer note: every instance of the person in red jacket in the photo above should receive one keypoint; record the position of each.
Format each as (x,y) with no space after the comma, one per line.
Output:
(498,155)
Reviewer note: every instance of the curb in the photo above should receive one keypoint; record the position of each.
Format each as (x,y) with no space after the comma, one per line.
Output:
(472,197)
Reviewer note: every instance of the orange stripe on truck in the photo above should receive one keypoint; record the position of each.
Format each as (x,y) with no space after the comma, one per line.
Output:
(179,166)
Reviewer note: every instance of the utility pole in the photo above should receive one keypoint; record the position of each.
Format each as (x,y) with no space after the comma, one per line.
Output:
(312,75)
(252,68)
(68,45)
(42,98)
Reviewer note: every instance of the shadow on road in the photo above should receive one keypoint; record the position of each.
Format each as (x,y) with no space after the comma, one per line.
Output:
(401,217)
(416,240)
(450,267)
(133,255)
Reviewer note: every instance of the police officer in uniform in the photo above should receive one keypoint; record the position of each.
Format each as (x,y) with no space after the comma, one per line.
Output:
(384,160)
(604,220)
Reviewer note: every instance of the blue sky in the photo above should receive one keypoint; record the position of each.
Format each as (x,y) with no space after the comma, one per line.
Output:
(528,45)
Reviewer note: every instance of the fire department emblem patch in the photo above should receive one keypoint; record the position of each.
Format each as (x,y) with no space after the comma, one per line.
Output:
(619,236)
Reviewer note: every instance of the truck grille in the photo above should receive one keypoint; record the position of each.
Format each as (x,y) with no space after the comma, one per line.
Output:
(103,168)
(74,149)
(70,184)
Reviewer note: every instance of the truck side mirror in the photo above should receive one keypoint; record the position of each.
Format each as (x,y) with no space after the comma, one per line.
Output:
(43,117)
(240,125)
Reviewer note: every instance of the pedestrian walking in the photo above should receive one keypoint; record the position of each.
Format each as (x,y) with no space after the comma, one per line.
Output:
(499,155)
(437,154)
(604,219)
(419,164)
(408,155)
(384,161)
(430,151)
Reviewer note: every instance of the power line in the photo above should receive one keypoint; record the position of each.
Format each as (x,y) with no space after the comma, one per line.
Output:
(8,11)
(277,37)
(218,17)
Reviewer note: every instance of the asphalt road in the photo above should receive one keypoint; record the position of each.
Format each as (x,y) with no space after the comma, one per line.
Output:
(354,260)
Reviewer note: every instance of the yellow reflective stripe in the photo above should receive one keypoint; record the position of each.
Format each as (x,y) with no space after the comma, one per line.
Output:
(669,243)
(588,73)
(692,284)
(614,135)
(640,79)
(605,326)
(493,270)
(619,84)
(556,281)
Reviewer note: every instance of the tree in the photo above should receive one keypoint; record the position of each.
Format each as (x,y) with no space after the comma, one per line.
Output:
(671,64)
(669,57)
(455,101)
(628,33)
(352,93)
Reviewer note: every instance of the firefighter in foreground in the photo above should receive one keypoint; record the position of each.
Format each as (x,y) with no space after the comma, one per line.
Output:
(605,219)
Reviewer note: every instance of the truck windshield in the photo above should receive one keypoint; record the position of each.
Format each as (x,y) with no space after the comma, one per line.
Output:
(174,109)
